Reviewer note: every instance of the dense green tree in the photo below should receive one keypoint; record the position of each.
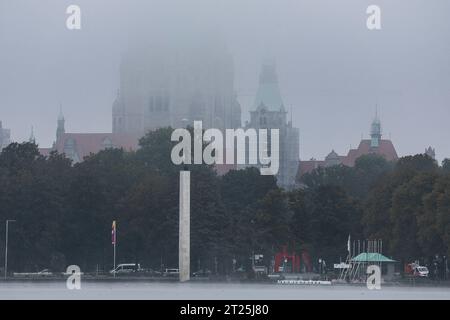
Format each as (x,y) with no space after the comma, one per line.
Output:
(395,203)
(446,165)
(416,163)
(19,156)
(407,209)
(429,236)
(333,216)
(148,222)
(155,151)
(299,224)
(442,198)
(98,185)
(241,191)
(208,220)
(270,223)
(368,170)
(338,175)
(376,213)
(33,192)
(356,180)
(64,211)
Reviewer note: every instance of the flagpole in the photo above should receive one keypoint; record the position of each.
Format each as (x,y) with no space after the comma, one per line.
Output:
(114,241)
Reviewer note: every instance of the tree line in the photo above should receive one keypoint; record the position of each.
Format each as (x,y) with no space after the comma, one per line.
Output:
(64,211)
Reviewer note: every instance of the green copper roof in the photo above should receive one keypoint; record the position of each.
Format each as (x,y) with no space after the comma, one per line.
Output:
(371,257)
(268,93)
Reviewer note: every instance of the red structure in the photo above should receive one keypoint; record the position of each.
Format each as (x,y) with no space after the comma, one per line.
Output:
(287,262)
(307,261)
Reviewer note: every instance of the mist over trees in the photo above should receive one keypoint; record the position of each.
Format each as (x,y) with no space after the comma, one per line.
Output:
(64,212)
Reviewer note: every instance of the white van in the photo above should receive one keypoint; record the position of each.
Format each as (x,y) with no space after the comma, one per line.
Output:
(126,268)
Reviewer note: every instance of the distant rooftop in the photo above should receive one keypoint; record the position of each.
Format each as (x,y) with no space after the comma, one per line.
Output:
(371,257)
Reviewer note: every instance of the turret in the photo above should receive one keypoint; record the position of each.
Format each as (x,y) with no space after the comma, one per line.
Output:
(375,132)
(430,152)
(118,115)
(32,139)
(60,130)
(268,94)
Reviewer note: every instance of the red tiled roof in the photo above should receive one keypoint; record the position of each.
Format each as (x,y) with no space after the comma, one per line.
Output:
(385,149)
(87,143)
(308,166)
(222,169)
(45,151)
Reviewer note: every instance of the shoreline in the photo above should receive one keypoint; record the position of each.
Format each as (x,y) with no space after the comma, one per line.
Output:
(212,291)
(404,283)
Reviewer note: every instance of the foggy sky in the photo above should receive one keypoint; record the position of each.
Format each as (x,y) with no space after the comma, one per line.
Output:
(332,69)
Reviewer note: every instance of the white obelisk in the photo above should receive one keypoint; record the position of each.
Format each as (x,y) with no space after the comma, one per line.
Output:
(184,227)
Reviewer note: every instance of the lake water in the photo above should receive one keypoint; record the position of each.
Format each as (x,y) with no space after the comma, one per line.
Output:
(208,291)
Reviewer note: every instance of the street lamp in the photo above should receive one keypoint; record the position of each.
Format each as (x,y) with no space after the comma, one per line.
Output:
(6,247)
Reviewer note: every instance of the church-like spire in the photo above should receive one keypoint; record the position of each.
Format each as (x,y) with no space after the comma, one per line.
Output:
(268,94)
(32,139)
(60,116)
(375,132)
(430,152)
(60,130)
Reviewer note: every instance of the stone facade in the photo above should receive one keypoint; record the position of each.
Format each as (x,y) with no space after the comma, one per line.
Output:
(77,146)
(159,90)
(269,113)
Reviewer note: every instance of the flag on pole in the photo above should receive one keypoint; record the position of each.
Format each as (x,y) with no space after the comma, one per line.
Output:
(113,232)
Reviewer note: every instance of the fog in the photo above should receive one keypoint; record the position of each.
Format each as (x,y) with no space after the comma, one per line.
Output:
(332,70)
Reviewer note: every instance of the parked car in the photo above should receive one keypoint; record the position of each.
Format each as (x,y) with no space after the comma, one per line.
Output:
(42,273)
(45,273)
(202,273)
(421,271)
(127,268)
(171,272)
(416,270)
(65,273)
(153,273)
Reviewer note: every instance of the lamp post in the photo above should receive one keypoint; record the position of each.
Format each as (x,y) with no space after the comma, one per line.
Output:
(6,247)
